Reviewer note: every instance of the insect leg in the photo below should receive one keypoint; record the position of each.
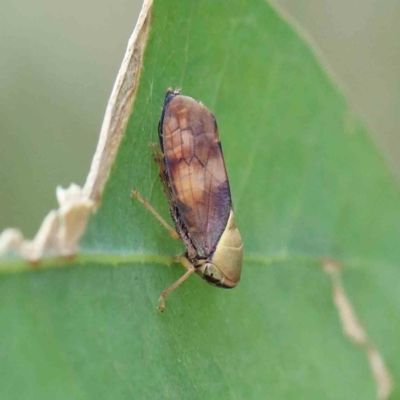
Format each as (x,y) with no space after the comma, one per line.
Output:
(190,270)
(159,159)
(157,155)
(136,195)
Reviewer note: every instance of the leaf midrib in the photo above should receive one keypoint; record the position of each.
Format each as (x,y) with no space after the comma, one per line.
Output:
(10,266)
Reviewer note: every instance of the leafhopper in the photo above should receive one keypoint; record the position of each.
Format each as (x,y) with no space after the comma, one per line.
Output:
(193,173)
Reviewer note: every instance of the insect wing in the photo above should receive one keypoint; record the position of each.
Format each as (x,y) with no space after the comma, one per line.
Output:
(196,171)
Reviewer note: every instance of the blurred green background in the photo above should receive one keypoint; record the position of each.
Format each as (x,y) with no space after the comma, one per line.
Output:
(59,61)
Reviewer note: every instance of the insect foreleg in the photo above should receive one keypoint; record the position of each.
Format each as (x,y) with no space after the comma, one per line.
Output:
(136,195)
(190,270)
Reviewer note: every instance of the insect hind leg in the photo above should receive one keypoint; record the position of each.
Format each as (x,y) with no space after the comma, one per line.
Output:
(136,195)
(158,156)
(159,159)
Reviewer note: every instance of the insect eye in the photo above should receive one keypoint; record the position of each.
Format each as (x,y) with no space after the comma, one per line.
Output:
(212,274)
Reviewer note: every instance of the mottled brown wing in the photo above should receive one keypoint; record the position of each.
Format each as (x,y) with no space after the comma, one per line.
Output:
(196,170)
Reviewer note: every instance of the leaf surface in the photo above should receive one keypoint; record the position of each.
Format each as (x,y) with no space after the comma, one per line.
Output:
(307,183)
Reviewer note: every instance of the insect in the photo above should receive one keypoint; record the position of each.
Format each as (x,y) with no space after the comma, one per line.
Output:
(193,173)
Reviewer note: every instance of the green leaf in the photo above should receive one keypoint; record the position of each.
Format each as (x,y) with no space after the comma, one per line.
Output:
(316,313)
